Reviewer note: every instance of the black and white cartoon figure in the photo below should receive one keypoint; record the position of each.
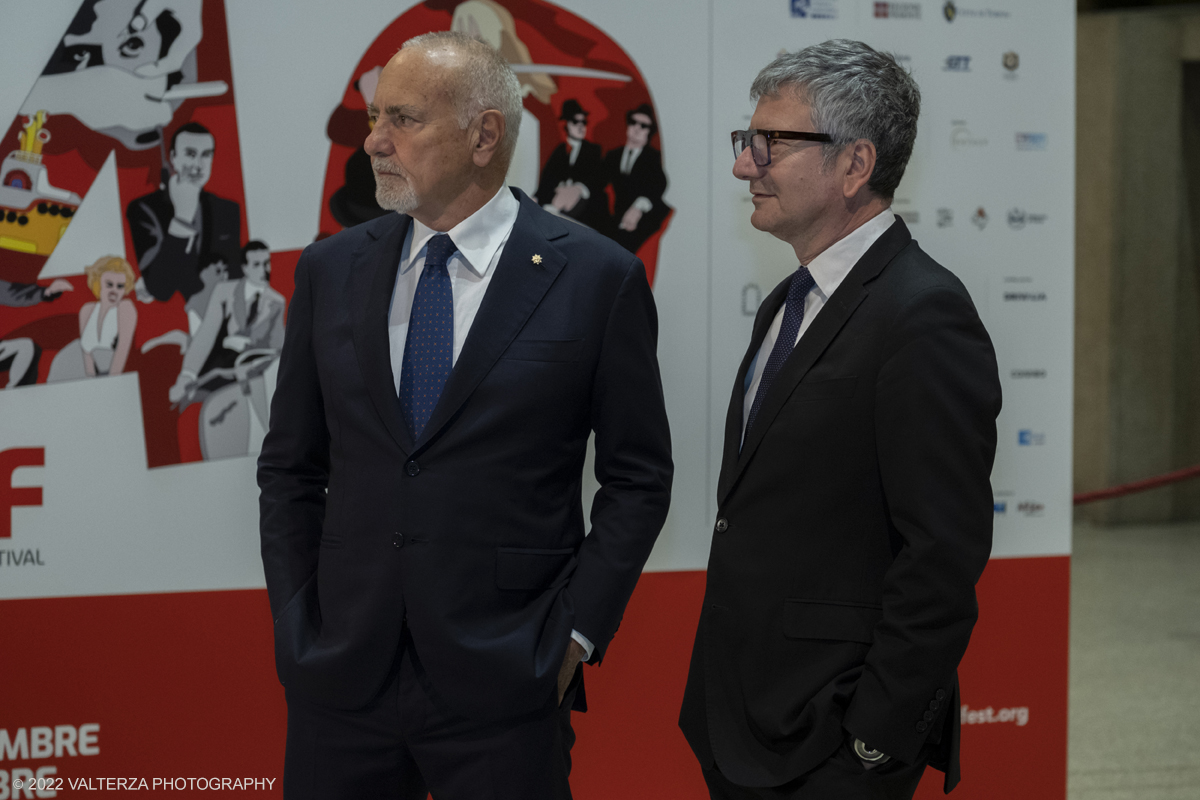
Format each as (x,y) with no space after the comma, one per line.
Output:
(124,67)
(231,362)
(181,222)
(106,325)
(20,355)
(636,174)
(572,181)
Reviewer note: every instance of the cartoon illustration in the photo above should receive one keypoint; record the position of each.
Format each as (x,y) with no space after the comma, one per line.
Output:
(177,225)
(33,213)
(106,325)
(124,67)
(573,179)
(20,355)
(555,55)
(636,175)
(229,364)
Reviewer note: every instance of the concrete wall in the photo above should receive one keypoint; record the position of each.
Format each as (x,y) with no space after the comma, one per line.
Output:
(1137,373)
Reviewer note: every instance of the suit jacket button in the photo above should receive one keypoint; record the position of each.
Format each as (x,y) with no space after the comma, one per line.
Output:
(922,726)
(928,716)
(412,468)
(939,694)
(934,705)
(397,540)
(722,525)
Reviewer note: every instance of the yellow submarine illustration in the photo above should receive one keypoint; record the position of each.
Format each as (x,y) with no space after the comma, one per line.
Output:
(34,214)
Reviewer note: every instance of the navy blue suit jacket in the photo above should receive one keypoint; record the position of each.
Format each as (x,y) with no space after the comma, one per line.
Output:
(472,535)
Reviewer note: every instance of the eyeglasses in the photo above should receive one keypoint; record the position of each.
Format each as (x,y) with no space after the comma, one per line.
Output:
(759,142)
(640,124)
(578,121)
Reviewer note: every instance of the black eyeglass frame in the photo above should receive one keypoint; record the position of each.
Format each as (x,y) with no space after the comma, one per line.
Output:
(747,136)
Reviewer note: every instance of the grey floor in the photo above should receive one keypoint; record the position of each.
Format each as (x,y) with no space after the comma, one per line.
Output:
(1135,663)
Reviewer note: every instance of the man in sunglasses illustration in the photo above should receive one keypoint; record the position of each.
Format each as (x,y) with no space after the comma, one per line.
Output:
(636,174)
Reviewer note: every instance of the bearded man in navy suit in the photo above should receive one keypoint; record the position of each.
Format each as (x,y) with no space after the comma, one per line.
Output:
(422,529)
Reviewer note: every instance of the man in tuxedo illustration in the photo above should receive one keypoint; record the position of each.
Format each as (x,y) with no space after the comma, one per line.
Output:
(572,181)
(636,174)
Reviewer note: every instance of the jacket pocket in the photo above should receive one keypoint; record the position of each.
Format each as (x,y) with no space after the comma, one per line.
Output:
(544,350)
(531,569)
(826,389)
(814,619)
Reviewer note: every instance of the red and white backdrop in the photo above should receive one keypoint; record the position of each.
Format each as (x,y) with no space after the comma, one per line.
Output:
(138,636)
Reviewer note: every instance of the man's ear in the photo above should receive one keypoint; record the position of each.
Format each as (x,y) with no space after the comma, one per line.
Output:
(858,165)
(486,135)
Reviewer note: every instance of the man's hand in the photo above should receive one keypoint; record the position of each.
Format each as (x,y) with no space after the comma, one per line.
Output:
(631,218)
(567,197)
(574,655)
(58,287)
(185,197)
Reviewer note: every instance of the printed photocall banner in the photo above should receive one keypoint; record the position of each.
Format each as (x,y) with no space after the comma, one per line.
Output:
(165,162)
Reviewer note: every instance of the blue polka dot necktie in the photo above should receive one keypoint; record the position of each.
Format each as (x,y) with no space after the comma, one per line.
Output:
(793,316)
(429,345)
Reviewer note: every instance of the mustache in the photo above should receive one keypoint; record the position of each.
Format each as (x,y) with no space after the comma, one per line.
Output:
(383,167)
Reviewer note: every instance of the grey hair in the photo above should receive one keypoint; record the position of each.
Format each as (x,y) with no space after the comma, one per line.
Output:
(855,92)
(484,81)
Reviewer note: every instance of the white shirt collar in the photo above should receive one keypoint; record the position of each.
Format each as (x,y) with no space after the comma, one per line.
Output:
(832,266)
(477,237)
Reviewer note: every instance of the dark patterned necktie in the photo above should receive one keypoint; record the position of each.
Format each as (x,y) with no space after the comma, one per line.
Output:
(793,315)
(429,346)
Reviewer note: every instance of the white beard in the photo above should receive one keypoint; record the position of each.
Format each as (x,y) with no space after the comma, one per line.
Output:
(395,195)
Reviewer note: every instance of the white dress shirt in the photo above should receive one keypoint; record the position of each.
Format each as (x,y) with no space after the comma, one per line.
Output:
(479,241)
(828,269)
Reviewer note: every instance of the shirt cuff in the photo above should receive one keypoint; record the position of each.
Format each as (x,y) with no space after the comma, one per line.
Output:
(643,205)
(587,646)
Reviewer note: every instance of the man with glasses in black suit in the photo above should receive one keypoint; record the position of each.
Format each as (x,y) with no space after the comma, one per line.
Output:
(854,509)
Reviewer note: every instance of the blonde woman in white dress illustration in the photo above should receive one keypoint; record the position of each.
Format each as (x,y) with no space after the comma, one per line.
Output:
(106,325)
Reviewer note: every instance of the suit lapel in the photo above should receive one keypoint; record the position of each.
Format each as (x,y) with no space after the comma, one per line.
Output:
(837,311)
(371,283)
(737,410)
(515,291)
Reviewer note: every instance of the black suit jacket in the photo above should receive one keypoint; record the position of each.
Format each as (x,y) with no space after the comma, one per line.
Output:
(854,522)
(588,169)
(472,535)
(166,263)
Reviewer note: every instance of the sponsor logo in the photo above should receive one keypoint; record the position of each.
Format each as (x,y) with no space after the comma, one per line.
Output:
(1032,141)
(1017,218)
(1027,373)
(1030,508)
(1000,507)
(980,218)
(989,715)
(945,217)
(962,138)
(1035,297)
(1011,61)
(12,496)
(814,9)
(897,10)
(957,64)
(951,11)
(1030,438)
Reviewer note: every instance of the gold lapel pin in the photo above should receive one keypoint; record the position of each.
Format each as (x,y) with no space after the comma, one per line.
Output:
(537,259)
